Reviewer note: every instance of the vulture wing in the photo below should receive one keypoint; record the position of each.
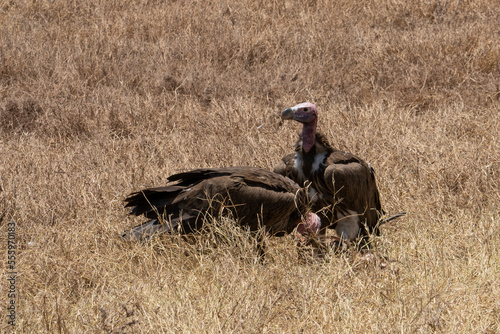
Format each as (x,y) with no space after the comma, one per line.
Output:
(253,196)
(351,186)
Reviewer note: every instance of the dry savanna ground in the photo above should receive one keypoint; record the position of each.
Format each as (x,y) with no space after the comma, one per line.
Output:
(101,98)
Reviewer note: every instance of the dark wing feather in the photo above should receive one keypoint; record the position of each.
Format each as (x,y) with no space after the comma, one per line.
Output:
(260,178)
(256,203)
(148,201)
(255,196)
(199,175)
(354,187)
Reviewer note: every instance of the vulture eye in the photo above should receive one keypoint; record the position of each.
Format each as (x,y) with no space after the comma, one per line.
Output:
(305,109)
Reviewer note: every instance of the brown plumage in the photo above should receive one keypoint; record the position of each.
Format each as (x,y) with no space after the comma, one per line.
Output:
(254,197)
(343,187)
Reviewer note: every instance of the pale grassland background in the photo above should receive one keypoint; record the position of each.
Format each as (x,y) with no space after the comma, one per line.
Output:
(101,98)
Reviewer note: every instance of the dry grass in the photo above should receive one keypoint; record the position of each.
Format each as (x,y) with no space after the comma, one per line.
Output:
(101,98)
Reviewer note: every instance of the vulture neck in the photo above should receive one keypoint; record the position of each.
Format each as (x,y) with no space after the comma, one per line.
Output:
(309,135)
(308,159)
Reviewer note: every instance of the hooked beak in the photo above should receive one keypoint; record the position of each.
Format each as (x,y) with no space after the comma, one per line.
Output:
(288,113)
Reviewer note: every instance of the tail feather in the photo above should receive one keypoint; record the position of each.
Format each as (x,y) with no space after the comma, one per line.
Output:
(152,202)
(184,224)
(146,230)
(391,218)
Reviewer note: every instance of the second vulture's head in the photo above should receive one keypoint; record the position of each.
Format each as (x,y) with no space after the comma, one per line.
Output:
(310,226)
(306,114)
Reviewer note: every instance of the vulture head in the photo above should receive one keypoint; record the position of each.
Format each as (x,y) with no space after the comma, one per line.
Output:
(311,225)
(307,114)
(304,113)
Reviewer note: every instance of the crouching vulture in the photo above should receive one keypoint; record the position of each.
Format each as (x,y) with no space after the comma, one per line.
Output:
(254,197)
(342,185)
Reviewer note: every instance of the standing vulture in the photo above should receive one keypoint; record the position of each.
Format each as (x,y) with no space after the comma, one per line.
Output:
(342,186)
(254,197)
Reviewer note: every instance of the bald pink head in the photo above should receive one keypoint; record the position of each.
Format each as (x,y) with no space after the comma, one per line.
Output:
(306,114)
(310,226)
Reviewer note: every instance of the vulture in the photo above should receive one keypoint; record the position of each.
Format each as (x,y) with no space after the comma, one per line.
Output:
(254,197)
(342,186)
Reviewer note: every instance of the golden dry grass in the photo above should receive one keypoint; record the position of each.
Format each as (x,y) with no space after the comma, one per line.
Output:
(101,98)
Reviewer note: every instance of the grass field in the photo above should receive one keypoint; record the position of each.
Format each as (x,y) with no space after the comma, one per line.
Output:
(102,98)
